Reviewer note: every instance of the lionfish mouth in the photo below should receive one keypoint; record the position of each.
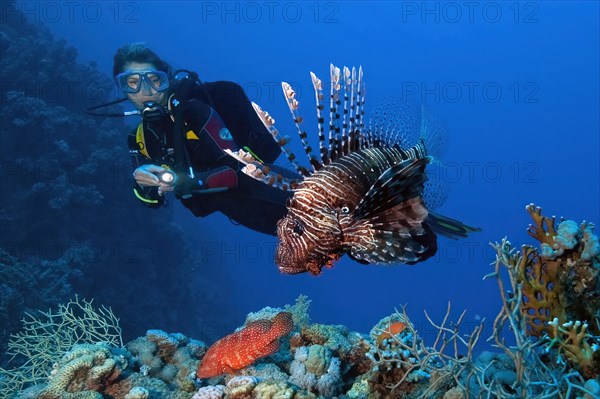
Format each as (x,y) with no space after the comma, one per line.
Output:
(290,264)
(286,261)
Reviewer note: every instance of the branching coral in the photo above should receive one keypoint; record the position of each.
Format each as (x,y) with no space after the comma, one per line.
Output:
(572,338)
(545,299)
(403,363)
(47,336)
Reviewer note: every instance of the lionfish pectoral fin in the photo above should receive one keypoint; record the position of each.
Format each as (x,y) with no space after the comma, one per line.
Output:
(358,259)
(241,156)
(394,246)
(393,228)
(449,227)
(396,185)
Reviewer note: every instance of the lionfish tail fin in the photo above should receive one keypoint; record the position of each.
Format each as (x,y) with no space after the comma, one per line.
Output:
(449,227)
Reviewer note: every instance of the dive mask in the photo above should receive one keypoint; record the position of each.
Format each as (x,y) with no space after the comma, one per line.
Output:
(132,81)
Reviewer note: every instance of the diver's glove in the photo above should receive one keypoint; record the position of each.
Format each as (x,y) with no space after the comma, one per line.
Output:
(210,181)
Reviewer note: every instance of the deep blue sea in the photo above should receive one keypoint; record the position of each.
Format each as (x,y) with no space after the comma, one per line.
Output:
(516,84)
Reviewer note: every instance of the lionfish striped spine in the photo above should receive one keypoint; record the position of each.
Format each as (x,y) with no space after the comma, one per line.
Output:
(292,102)
(346,111)
(351,132)
(334,115)
(318,89)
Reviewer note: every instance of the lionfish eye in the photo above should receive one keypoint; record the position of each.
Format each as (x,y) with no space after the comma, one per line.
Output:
(298,229)
(345,209)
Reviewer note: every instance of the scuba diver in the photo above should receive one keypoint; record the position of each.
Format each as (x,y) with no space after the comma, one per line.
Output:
(180,144)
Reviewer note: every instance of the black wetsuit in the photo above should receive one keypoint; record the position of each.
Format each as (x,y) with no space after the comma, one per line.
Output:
(218,115)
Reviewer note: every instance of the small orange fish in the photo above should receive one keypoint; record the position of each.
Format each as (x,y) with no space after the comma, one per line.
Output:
(393,329)
(241,349)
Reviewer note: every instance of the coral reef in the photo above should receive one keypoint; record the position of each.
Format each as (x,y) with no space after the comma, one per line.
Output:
(172,358)
(252,387)
(316,370)
(47,336)
(555,352)
(558,287)
(329,361)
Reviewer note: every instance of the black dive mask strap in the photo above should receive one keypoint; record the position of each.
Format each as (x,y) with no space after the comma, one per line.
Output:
(92,110)
(152,111)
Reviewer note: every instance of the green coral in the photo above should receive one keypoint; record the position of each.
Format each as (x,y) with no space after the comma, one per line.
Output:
(360,389)
(280,390)
(317,360)
(333,337)
(83,372)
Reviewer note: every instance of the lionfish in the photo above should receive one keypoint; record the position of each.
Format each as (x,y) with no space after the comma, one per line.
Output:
(363,194)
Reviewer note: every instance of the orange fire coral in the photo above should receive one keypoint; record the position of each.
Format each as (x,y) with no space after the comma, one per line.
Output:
(560,285)
(241,349)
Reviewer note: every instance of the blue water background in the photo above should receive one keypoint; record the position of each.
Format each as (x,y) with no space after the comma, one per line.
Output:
(516,83)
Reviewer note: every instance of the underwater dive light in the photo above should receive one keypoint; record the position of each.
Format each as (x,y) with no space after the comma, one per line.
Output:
(166,176)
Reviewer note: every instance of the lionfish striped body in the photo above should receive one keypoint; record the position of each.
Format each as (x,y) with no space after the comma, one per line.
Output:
(364,194)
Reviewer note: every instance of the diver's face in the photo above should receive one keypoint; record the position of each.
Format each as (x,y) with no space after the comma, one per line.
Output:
(146,92)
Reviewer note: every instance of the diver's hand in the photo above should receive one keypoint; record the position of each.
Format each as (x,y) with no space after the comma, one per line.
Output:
(146,175)
(164,187)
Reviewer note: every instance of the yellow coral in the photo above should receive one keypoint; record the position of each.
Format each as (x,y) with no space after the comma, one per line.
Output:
(572,340)
(280,389)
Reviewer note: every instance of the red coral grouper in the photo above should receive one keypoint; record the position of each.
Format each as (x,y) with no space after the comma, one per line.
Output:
(240,349)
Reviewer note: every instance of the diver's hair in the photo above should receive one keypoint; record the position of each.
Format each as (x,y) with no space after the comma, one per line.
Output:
(138,52)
